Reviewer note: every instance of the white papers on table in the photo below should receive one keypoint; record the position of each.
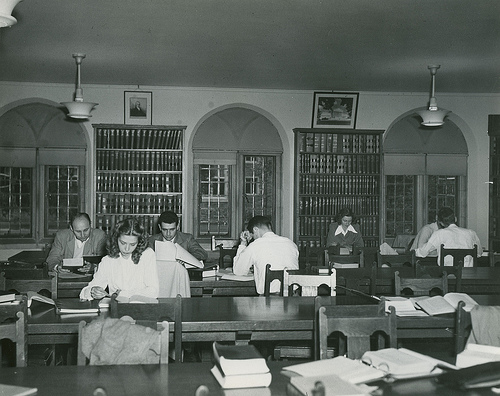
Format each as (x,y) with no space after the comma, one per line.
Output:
(475,354)
(73,262)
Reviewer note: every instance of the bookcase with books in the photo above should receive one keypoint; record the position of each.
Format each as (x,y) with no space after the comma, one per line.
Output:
(494,209)
(336,168)
(138,173)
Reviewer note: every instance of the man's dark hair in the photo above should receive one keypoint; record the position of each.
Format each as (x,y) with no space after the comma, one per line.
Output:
(446,216)
(259,221)
(168,217)
(78,216)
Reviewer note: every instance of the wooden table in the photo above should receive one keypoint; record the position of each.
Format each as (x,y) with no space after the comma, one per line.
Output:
(176,379)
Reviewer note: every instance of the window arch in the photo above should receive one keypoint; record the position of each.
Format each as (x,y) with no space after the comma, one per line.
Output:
(425,169)
(237,164)
(42,171)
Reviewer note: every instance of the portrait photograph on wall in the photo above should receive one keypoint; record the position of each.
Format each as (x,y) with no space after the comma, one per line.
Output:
(138,107)
(335,110)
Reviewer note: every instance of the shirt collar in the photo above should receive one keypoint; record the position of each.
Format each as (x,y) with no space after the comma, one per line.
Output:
(340,230)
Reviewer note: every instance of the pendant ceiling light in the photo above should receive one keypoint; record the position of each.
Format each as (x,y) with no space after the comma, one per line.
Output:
(433,117)
(78,108)
(6,7)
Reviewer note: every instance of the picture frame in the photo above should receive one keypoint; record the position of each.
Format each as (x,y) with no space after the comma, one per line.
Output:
(138,107)
(335,110)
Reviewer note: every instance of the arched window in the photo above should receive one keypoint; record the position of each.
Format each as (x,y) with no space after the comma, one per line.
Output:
(237,169)
(42,172)
(425,169)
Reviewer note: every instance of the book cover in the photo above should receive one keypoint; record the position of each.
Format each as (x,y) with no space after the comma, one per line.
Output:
(15,390)
(7,296)
(239,359)
(76,306)
(168,251)
(241,381)
(34,296)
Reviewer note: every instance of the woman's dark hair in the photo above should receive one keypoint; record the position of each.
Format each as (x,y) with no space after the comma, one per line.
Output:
(343,213)
(128,227)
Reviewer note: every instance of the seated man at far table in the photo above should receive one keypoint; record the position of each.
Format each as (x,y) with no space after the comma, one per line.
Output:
(79,240)
(168,223)
(266,248)
(452,237)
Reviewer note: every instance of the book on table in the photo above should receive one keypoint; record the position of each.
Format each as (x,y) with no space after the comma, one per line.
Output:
(65,306)
(405,363)
(448,303)
(240,366)
(169,251)
(475,354)
(208,271)
(331,385)
(6,296)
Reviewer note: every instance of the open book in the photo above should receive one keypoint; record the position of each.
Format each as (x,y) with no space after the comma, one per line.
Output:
(65,306)
(404,306)
(404,363)
(169,251)
(448,303)
(137,299)
(334,385)
(353,371)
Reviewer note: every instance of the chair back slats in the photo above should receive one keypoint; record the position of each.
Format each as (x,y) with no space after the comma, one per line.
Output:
(357,325)
(458,255)
(308,283)
(421,286)
(270,276)
(396,260)
(17,332)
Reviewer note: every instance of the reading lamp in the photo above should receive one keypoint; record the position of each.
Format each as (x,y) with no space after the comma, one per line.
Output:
(6,7)
(78,108)
(432,116)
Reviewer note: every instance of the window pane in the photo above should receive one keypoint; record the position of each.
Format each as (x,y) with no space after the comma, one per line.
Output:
(62,198)
(16,212)
(260,187)
(214,209)
(400,205)
(443,191)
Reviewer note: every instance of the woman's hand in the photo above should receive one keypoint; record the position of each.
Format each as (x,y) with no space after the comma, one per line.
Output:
(97,293)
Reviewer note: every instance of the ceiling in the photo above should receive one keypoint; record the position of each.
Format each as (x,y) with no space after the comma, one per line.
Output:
(356,45)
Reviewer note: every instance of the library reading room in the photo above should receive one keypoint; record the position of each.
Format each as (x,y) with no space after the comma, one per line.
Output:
(252,198)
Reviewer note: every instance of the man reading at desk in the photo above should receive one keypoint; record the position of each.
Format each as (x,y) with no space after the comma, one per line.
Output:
(77,241)
(452,237)
(168,223)
(266,248)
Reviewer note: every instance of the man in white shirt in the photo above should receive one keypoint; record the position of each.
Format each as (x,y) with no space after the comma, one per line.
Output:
(452,237)
(423,236)
(266,248)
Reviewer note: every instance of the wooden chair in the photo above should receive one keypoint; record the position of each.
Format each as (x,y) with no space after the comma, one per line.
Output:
(434,271)
(242,291)
(357,324)
(421,286)
(270,276)
(227,248)
(313,256)
(396,260)
(308,284)
(463,327)
(17,333)
(169,309)
(23,281)
(458,255)
(161,328)
(360,279)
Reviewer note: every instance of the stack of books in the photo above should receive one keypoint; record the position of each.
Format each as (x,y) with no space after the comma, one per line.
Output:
(240,366)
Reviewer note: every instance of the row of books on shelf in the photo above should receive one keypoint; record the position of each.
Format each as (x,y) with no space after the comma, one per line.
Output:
(311,225)
(139,160)
(134,138)
(139,182)
(333,163)
(328,184)
(136,204)
(108,221)
(331,205)
(341,143)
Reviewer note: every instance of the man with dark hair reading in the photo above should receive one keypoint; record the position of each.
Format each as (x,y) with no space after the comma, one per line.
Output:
(266,248)
(168,223)
(452,236)
(79,240)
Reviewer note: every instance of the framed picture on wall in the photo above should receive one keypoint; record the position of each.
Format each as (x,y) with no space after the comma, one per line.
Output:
(335,110)
(138,107)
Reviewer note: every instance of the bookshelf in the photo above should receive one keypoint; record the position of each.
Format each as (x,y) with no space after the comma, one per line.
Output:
(138,173)
(336,168)
(494,204)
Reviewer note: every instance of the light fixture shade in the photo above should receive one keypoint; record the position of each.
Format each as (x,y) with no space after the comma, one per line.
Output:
(6,7)
(433,118)
(79,109)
